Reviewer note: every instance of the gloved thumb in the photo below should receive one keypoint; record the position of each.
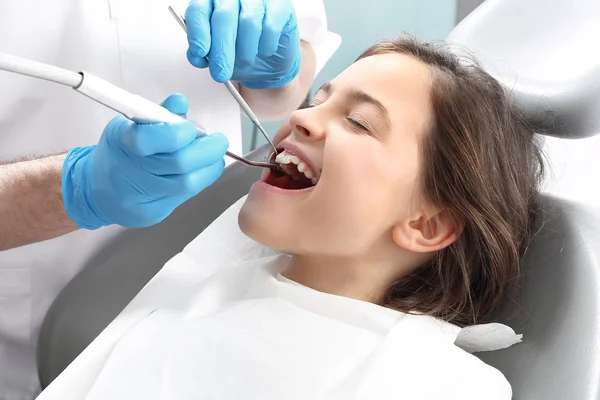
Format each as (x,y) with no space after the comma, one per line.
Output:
(177,104)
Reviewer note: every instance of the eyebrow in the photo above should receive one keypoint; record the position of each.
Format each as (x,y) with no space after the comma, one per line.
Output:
(359,96)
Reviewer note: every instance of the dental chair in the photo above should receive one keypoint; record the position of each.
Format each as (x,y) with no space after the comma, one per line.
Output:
(544,51)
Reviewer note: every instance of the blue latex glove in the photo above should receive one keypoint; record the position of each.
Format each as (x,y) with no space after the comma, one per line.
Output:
(138,174)
(254,42)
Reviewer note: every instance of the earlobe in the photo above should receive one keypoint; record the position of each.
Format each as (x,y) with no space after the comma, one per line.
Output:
(427,234)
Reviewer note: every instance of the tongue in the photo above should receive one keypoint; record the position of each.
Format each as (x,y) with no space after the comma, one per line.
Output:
(286,182)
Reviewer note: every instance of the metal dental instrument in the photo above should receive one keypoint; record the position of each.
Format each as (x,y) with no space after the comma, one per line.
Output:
(132,106)
(236,95)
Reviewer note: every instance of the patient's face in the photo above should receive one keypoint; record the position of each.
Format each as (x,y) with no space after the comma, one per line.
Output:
(353,162)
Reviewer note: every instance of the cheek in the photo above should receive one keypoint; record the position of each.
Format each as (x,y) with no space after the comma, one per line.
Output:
(353,205)
(368,192)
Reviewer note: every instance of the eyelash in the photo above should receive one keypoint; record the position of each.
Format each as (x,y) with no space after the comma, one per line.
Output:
(356,124)
(353,122)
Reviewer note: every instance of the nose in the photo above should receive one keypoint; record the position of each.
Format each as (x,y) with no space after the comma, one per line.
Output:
(306,124)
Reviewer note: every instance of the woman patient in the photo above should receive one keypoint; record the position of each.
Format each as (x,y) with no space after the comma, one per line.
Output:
(410,194)
(414,185)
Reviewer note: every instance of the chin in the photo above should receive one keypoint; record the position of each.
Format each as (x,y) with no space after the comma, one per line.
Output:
(261,226)
(260,221)
(247,222)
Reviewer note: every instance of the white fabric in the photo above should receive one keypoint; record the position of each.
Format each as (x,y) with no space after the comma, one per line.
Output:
(487,337)
(235,328)
(132,43)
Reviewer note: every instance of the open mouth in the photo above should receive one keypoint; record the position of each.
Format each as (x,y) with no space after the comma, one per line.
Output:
(296,173)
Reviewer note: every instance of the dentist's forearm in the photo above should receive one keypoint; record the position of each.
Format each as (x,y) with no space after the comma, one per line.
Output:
(276,104)
(31,202)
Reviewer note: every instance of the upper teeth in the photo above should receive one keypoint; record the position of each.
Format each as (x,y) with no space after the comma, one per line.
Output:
(286,158)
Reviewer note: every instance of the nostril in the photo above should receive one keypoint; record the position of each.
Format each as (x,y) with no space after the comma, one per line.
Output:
(302,130)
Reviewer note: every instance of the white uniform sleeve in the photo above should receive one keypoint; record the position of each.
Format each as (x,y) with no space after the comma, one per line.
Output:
(312,22)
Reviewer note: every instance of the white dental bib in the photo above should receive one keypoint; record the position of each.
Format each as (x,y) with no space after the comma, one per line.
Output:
(245,332)
(251,334)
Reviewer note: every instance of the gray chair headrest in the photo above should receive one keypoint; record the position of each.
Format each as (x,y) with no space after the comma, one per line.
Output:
(547,53)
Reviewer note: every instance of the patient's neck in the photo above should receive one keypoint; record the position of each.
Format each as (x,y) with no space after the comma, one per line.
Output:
(366,280)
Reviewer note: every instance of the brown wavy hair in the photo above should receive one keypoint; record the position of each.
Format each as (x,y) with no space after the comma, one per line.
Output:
(481,163)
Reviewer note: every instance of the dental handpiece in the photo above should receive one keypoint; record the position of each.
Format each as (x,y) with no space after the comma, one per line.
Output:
(141,110)
(133,107)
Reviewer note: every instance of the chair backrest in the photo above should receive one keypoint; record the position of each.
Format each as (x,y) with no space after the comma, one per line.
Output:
(557,309)
(546,53)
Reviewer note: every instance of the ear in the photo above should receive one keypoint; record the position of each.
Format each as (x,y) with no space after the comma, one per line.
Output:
(425,234)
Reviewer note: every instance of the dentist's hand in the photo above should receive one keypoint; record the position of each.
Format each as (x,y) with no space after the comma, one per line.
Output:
(254,42)
(138,174)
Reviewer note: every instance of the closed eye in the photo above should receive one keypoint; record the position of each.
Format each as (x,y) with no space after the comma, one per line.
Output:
(363,126)
(357,124)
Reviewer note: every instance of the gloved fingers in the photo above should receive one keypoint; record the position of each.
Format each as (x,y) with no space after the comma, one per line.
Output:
(201,153)
(197,19)
(277,15)
(198,62)
(177,104)
(166,205)
(224,27)
(249,31)
(193,182)
(144,140)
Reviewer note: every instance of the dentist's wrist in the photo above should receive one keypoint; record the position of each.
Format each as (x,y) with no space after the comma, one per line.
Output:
(77,202)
